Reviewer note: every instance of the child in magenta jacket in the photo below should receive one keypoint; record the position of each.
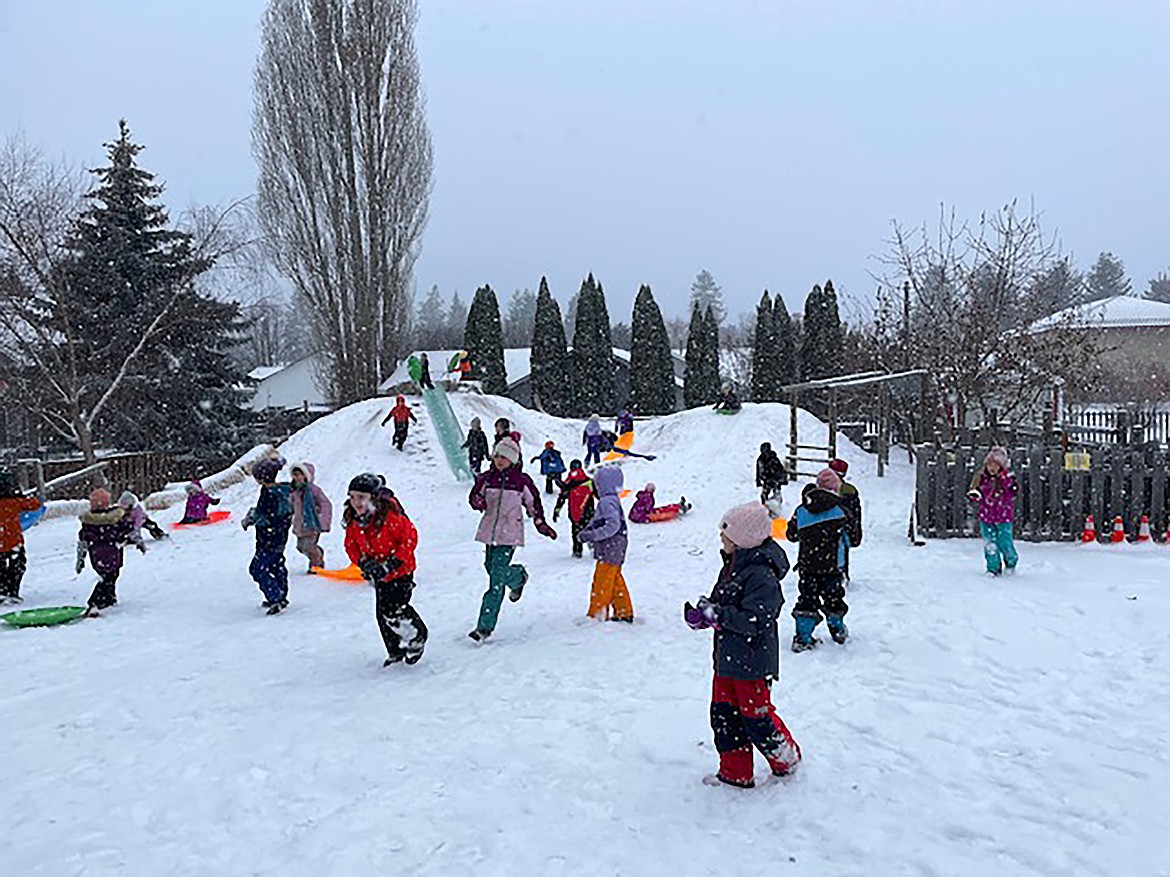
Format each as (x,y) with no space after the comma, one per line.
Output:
(994,488)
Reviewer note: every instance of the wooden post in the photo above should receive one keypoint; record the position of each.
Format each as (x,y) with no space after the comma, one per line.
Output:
(793,451)
(1077,510)
(1117,484)
(1158,495)
(833,424)
(924,454)
(1035,498)
(1098,504)
(1055,498)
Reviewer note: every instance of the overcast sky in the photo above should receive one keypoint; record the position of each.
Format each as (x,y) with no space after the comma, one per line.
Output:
(769,141)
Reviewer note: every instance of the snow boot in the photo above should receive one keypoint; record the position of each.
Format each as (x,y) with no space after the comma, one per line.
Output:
(277,607)
(804,639)
(714,779)
(837,629)
(392,660)
(683,505)
(479,634)
(517,592)
(11,599)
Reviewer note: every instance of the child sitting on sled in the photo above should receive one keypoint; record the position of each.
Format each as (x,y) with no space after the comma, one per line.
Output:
(197,502)
(643,510)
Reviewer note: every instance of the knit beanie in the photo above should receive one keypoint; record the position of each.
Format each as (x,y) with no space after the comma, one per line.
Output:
(100,499)
(999,455)
(747,526)
(650,486)
(127,500)
(508,449)
(829,480)
(266,470)
(194,487)
(839,466)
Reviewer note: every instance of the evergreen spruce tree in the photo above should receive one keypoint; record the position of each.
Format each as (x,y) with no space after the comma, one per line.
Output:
(812,351)
(550,373)
(455,322)
(651,370)
(832,332)
(712,380)
(1159,288)
(1106,279)
(785,334)
(483,340)
(764,359)
(132,275)
(694,392)
(594,380)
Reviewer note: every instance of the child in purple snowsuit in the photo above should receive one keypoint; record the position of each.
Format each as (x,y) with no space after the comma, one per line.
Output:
(104,532)
(592,439)
(197,503)
(994,488)
(133,507)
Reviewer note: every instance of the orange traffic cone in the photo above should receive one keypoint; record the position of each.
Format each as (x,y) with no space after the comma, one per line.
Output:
(1144,530)
(1118,534)
(1089,534)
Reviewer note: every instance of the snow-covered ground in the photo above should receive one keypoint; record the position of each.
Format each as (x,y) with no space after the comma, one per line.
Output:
(970,726)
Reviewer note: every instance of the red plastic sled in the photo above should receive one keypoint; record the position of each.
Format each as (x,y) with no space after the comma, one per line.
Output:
(213,518)
(664,513)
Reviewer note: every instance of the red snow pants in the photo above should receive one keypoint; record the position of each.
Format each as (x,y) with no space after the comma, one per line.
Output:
(742,716)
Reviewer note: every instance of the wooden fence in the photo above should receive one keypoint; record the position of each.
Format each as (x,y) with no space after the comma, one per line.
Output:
(1053,501)
(142,473)
(1118,426)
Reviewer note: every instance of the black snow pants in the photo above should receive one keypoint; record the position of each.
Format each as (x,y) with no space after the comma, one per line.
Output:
(400,429)
(12,566)
(402,629)
(820,594)
(104,595)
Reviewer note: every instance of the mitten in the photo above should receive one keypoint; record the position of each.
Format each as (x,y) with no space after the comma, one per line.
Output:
(710,611)
(694,618)
(249,519)
(544,529)
(974,495)
(372,569)
(556,514)
(81,549)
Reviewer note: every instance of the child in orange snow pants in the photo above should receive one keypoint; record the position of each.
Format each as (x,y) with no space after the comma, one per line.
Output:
(610,598)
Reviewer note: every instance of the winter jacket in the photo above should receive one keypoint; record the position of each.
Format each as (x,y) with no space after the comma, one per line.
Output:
(770,471)
(591,437)
(11,536)
(997,495)
(103,533)
(400,414)
(817,525)
(729,401)
(642,507)
(624,423)
(749,598)
(504,496)
(272,517)
(607,529)
(851,505)
(322,507)
(551,462)
(578,493)
(476,445)
(389,539)
(197,504)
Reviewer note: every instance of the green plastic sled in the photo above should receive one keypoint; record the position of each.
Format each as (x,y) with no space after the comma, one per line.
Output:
(414,369)
(47,616)
(727,411)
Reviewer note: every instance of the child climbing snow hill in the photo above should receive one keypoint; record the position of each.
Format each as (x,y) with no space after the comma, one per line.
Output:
(476,446)
(552,465)
(503,494)
(272,516)
(771,476)
(197,502)
(643,510)
(817,525)
(13,560)
(609,598)
(402,417)
(380,540)
(105,531)
(994,487)
(743,610)
(312,513)
(592,439)
(577,491)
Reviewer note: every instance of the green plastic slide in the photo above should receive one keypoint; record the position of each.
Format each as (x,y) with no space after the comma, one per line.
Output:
(449,431)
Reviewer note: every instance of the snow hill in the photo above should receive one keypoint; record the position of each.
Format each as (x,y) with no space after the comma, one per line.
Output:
(969,727)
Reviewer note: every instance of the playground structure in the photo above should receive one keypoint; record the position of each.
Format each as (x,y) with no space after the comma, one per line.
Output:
(445,422)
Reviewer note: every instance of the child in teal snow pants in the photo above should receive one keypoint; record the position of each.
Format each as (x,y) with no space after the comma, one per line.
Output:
(994,488)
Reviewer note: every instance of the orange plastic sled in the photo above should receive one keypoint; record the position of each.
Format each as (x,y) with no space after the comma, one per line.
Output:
(666,513)
(779,528)
(625,441)
(212,518)
(350,575)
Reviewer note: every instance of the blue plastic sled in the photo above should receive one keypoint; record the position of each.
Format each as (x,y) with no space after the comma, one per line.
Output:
(31,519)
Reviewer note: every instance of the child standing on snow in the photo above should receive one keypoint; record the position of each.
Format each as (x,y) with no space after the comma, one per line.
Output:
(994,487)
(743,610)
(610,598)
(818,525)
(771,476)
(591,438)
(133,507)
(272,516)
(476,446)
(312,513)
(552,465)
(197,502)
(643,510)
(402,417)
(504,494)
(380,540)
(851,505)
(13,560)
(577,491)
(104,533)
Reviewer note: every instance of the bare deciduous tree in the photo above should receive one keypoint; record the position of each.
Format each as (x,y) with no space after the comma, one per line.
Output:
(340,134)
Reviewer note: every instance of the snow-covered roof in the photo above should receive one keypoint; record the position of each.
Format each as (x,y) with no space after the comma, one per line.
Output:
(261,372)
(1118,312)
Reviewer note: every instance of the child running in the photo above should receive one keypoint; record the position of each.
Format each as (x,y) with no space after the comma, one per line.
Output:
(552,466)
(643,511)
(610,598)
(577,491)
(402,417)
(380,540)
(312,513)
(476,446)
(994,487)
(818,525)
(503,494)
(13,560)
(272,516)
(197,502)
(743,610)
(105,531)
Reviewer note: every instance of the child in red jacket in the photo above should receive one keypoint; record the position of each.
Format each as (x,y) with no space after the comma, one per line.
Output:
(12,557)
(380,540)
(402,417)
(577,491)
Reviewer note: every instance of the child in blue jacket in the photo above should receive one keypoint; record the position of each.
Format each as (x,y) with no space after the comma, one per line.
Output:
(272,517)
(552,466)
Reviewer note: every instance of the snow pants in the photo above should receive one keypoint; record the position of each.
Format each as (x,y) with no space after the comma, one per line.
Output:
(593,450)
(820,595)
(400,430)
(401,626)
(999,546)
(269,572)
(742,716)
(502,573)
(771,491)
(12,566)
(104,593)
(610,598)
(551,481)
(575,528)
(307,545)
